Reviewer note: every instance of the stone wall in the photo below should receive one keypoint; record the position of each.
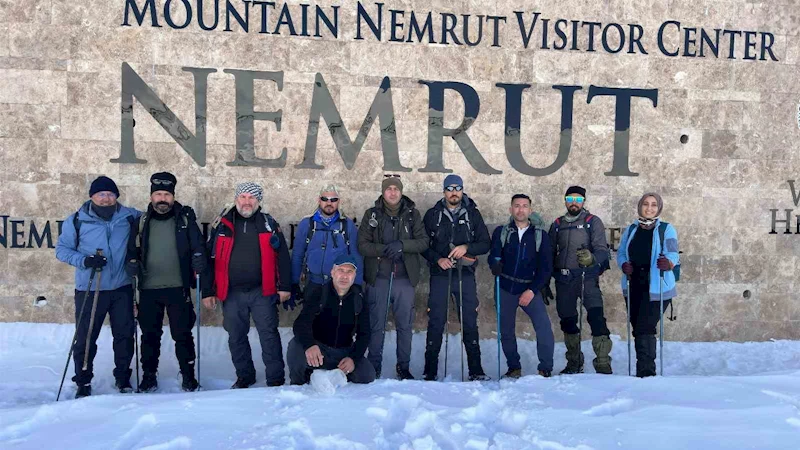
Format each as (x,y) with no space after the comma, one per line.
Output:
(60,126)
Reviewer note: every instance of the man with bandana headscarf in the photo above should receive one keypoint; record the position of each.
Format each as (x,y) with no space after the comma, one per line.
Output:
(251,275)
(580,255)
(170,250)
(102,223)
(646,264)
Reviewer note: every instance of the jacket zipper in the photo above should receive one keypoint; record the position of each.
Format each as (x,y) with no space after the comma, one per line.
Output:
(516,264)
(338,324)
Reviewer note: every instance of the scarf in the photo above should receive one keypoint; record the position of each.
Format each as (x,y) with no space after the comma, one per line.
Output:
(327,221)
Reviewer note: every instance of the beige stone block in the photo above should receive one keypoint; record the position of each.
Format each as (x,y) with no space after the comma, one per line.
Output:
(319,56)
(127,44)
(91,123)
(792,50)
(94,88)
(770,77)
(37,121)
(439,63)
(381,59)
(783,19)
(38,41)
(94,13)
(689,73)
(35,11)
(19,86)
(29,158)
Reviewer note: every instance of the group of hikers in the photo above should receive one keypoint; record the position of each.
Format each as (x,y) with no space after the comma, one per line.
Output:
(134,266)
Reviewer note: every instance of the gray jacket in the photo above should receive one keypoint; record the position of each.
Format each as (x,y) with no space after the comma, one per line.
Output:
(573,236)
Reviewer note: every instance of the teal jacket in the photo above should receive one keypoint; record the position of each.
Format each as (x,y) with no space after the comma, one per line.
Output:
(670,251)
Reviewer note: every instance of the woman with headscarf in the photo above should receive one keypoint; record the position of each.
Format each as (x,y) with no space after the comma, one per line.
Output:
(647,254)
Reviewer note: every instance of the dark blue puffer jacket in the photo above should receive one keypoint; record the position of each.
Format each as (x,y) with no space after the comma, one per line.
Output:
(327,242)
(524,268)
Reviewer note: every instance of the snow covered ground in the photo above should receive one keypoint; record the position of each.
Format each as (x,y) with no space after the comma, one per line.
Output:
(715,396)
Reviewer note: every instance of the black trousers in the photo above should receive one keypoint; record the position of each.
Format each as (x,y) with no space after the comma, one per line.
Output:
(180,311)
(644,310)
(568,289)
(118,305)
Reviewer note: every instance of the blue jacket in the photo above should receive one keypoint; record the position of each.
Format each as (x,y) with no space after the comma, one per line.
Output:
(111,237)
(328,242)
(670,251)
(521,260)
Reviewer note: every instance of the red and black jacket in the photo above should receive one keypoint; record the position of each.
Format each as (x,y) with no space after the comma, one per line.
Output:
(276,264)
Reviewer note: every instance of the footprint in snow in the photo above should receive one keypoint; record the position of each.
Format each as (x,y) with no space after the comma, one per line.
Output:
(610,408)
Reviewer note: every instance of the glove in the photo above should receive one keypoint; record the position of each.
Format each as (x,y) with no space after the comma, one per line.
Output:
(289,304)
(627,268)
(297,293)
(95,262)
(132,268)
(393,250)
(497,269)
(663,263)
(547,294)
(199,263)
(585,257)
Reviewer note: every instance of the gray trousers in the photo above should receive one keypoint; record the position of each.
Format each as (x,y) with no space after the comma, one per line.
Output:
(236,312)
(402,301)
(537,311)
(300,371)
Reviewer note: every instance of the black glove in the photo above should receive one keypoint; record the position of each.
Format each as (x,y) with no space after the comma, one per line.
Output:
(497,268)
(393,250)
(132,268)
(289,304)
(547,294)
(297,294)
(663,263)
(199,263)
(95,262)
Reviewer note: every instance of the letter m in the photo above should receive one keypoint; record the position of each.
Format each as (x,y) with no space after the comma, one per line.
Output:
(139,14)
(134,86)
(381,110)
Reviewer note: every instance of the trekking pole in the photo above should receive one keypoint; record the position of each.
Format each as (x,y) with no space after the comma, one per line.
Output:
(198,311)
(136,326)
(388,303)
(628,314)
(461,317)
(75,335)
(447,316)
(580,305)
(94,312)
(661,321)
(497,305)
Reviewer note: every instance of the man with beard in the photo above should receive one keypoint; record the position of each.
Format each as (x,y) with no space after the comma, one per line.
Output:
(251,272)
(457,236)
(392,239)
(580,256)
(101,224)
(170,247)
(320,239)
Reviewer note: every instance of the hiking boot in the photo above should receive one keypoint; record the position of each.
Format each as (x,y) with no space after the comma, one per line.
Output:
(645,355)
(430,377)
(243,383)
(546,373)
(189,383)
(149,383)
(276,383)
(513,373)
(84,390)
(602,360)
(479,377)
(124,385)
(403,374)
(574,354)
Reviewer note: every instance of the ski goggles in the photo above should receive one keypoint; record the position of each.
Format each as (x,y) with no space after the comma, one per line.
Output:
(329,199)
(162,182)
(574,199)
(391,175)
(454,188)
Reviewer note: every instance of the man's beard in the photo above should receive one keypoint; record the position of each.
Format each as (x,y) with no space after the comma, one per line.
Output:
(329,210)
(244,214)
(574,213)
(162,207)
(453,201)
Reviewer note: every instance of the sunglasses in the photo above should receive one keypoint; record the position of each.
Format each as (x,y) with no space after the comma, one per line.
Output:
(164,182)
(106,195)
(329,199)
(454,188)
(391,175)
(574,199)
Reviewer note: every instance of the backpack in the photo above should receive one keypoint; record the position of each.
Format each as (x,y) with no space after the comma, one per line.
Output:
(342,230)
(143,218)
(470,231)
(662,230)
(537,223)
(587,225)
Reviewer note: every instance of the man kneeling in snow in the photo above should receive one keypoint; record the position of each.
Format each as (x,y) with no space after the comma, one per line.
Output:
(323,332)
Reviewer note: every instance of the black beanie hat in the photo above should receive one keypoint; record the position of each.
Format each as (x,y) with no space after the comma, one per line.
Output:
(163,181)
(102,184)
(576,190)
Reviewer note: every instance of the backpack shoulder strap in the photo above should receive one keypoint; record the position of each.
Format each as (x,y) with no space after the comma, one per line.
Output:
(539,233)
(312,228)
(587,226)
(76,223)
(662,230)
(344,233)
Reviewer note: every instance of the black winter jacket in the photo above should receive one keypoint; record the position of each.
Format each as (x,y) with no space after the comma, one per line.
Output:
(331,320)
(468,228)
